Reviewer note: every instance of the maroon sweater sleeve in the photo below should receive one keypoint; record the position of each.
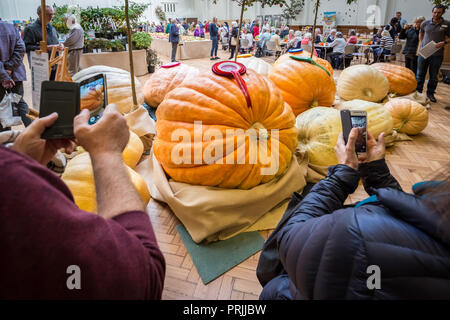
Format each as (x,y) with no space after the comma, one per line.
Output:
(42,233)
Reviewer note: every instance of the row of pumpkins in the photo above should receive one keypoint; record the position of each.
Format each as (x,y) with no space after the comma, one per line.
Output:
(295,98)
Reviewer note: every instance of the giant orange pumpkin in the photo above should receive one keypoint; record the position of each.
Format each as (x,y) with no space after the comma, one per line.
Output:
(218,104)
(402,81)
(409,117)
(302,84)
(163,81)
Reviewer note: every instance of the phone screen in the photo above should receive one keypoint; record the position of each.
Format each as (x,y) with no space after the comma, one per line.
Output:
(93,97)
(360,122)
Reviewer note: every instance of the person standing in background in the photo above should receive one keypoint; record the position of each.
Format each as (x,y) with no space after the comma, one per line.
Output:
(213,35)
(401,21)
(75,43)
(12,51)
(198,32)
(174,38)
(206,26)
(437,29)
(32,35)
(233,38)
(168,26)
(411,34)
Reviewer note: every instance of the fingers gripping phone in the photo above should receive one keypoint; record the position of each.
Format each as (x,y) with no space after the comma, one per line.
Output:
(93,96)
(63,98)
(355,119)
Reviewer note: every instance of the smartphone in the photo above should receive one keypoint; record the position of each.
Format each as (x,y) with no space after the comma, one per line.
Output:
(63,98)
(355,119)
(93,96)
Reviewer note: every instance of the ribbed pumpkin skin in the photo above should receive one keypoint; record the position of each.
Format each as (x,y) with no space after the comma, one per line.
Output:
(409,116)
(79,177)
(220,105)
(402,81)
(92,100)
(318,131)
(362,82)
(163,81)
(302,84)
(118,83)
(133,151)
(257,64)
(378,117)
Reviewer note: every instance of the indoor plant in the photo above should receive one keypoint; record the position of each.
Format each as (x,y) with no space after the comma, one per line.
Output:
(152,60)
(141,40)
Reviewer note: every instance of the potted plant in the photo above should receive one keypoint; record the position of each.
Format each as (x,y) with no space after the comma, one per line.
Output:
(152,60)
(141,40)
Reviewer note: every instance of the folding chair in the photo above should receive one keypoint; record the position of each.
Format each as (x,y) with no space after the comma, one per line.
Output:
(271,48)
(396,48)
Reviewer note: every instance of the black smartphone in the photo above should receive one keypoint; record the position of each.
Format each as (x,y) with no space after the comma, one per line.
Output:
(93,96)
(355,119)
(63,98)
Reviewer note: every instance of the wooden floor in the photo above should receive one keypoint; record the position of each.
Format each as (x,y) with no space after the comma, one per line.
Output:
(409,162)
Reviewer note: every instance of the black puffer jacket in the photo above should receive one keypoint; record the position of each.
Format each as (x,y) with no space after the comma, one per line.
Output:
(326,256)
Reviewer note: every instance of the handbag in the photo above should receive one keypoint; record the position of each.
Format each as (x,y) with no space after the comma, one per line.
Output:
(7,118)
(233,41)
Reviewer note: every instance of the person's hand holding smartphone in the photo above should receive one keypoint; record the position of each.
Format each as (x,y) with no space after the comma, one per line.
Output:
(108,136)
(376,150)
(345,152)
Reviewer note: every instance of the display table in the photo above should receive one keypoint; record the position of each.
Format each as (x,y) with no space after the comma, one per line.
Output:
(117,60)
(188,50)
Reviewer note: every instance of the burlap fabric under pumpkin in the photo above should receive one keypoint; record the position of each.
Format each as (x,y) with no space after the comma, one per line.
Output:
(212,214)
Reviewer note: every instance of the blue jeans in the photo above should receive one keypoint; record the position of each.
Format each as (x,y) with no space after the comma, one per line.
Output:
(215,46)
(433,64)
(379,53)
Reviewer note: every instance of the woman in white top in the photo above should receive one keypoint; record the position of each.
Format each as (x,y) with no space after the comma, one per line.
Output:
(246,35)
(338,46)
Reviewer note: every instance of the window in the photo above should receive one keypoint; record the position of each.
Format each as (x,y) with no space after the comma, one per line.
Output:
(169,7)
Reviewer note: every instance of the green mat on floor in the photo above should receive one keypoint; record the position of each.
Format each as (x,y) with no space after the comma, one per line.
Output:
(214,259)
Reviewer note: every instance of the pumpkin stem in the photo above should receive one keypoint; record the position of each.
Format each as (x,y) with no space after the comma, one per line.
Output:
(259,127)
(367,92)
(314,103)
(404,121)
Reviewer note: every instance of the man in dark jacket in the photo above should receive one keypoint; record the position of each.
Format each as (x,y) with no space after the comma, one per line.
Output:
(393,245)
(32,35)
(174,38)
(12,51)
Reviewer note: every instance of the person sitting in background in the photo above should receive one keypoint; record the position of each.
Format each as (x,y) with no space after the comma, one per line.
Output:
(198,32)
(75,42)
(152,27)
(317,36)
(376,39)
(322,249)
(255,30)
(291,35)
(43,232)
(332,36)
(353,39)
(338,46)
(247,36)
(277,40)
(296,41)
(12,69)
(284,31)
(411,34)
(385,46)
(263,39)
(160,28)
